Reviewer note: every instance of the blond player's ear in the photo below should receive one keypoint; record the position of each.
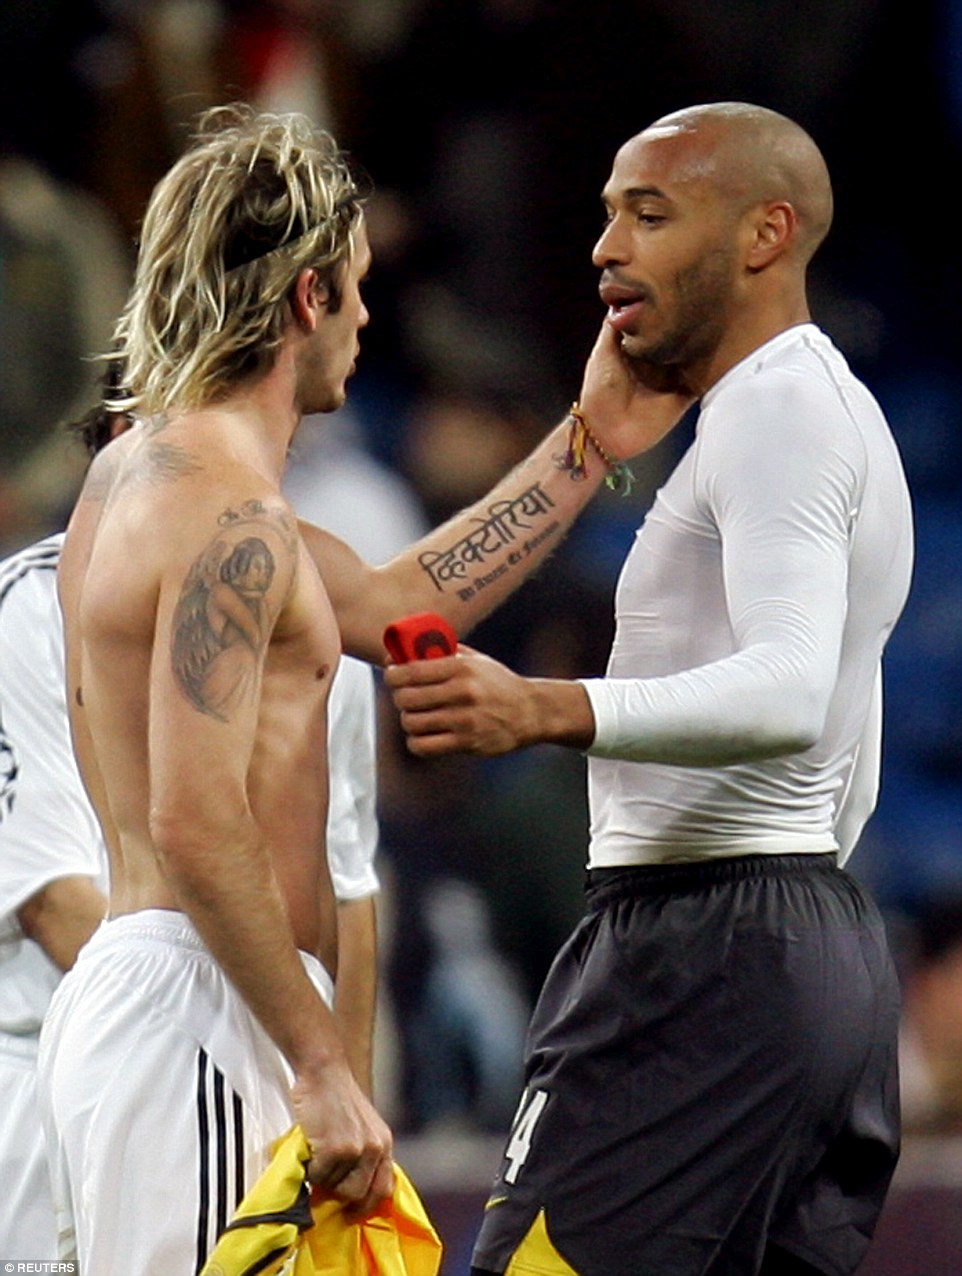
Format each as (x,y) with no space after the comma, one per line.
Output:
(308,298)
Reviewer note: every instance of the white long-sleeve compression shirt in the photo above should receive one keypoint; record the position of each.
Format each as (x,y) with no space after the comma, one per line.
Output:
(737,711)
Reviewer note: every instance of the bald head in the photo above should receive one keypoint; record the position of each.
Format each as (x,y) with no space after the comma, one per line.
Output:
(753,155)
(713,214)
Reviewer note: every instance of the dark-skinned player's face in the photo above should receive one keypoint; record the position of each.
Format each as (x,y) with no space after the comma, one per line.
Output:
(668,251)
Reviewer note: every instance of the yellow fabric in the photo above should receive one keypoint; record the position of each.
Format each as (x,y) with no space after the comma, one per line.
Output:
(398,1240)
(536,1256)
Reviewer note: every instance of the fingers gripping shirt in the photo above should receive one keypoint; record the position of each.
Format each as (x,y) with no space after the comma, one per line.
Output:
(752,613)
(279,1227)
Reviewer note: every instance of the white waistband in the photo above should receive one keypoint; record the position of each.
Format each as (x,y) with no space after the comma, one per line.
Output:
(165,924)
(174,929)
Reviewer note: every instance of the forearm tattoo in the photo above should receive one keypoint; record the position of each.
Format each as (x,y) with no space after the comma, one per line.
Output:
(228,605)
(462,567)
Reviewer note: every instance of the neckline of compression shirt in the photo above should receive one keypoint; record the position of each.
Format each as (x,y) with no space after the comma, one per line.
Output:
(760,354)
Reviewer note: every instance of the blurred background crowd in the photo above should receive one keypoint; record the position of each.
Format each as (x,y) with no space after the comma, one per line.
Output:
(488,129)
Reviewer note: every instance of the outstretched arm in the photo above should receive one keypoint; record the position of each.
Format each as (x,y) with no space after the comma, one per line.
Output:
(467,567)
(784,545)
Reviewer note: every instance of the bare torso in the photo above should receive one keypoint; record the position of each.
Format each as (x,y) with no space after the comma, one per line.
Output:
(201,648)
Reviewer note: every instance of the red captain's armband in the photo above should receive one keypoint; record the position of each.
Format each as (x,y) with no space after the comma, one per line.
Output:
(424,636)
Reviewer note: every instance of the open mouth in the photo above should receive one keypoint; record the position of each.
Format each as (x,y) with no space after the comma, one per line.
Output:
(624,304)
(623,315)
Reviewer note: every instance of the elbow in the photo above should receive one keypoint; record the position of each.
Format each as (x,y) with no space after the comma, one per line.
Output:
(174,841)
(799,740)
(170,828)
(30,915)
(799,725)
(185,841)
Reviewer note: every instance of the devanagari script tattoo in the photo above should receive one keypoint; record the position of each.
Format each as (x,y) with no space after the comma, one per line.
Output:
(461,567)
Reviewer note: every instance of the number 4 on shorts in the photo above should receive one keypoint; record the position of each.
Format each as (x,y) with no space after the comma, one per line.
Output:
(522,1132)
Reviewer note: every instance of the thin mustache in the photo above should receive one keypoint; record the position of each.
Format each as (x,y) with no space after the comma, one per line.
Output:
(611,278)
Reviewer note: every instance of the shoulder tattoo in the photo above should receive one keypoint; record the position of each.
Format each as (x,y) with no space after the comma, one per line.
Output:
(156,462)
(228,605)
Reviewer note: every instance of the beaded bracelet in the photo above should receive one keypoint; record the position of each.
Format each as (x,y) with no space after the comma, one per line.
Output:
(619,477)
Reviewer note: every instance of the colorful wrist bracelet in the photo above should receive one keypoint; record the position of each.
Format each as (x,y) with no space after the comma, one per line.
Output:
(619,477)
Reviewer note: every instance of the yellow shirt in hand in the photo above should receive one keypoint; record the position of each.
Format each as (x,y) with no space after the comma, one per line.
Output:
(277,1231)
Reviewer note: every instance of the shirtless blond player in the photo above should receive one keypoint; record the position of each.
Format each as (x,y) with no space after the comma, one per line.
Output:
(201,644)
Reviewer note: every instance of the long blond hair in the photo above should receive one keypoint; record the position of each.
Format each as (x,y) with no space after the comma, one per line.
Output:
(255,200)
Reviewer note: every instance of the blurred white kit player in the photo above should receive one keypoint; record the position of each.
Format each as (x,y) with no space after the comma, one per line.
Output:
(48,832)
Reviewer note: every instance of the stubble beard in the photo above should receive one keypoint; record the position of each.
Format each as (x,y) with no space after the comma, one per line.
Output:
(702,300)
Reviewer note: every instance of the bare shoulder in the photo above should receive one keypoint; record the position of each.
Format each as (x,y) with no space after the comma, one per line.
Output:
(85,519)
(233,527)
(170,513)
(232,535)
(178,490)
(141,455)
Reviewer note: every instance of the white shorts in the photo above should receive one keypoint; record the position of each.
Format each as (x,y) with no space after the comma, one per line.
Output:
(27,1228)
(160,1096)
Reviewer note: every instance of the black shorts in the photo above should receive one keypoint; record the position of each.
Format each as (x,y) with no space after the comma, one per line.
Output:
(711,1073)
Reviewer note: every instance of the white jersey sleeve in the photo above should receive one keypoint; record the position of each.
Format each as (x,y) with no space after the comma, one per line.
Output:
(48,829)
(783,507)
(352,829)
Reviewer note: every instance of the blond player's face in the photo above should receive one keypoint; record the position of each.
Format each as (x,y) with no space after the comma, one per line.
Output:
(336,344)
